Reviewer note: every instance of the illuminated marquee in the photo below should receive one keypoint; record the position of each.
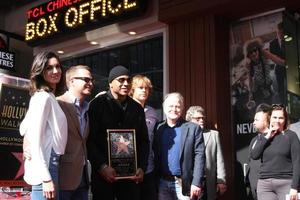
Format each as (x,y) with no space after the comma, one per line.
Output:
(58,17)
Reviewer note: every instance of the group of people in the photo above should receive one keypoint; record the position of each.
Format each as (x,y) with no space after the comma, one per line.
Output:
(176,159)
(274,161)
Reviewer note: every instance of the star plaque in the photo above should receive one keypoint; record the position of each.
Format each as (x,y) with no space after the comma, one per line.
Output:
(122,152)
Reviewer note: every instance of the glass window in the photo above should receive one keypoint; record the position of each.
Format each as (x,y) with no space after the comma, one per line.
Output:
(144,57)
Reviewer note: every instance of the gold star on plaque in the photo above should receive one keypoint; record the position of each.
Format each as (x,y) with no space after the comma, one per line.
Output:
(122,145)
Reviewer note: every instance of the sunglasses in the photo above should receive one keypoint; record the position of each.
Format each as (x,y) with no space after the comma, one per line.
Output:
(85,79)
(122,80)
(278,106)
(198,118)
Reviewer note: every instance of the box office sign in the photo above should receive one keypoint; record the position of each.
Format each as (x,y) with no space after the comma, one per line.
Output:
(14,102)
(7,60)
(57,17)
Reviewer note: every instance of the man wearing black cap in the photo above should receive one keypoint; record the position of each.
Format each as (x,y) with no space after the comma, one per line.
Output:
(116,110)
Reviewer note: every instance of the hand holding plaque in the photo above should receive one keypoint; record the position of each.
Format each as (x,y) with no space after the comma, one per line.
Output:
(122,152)
(108,173)
(139,176)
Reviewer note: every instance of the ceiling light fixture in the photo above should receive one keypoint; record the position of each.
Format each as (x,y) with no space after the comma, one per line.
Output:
(60,52)
(288,39)
(132,33)
(93,43)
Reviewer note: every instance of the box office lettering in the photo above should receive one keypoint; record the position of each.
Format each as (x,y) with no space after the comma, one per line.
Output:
(64,16)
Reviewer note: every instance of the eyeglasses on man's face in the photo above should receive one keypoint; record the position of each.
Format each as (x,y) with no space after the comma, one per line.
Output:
(278,106)
(198,118)
(123,79)
(85,79)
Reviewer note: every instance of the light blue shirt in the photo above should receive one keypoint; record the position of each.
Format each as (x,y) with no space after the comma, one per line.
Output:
(81,112)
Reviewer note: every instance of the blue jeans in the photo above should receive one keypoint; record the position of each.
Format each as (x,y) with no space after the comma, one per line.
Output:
(37,190)
(170,190)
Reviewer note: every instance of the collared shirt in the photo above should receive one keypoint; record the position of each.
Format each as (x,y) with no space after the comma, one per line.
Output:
(81,112)
(170,152)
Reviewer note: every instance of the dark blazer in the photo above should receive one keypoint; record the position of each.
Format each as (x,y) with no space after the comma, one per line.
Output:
(276,49)
(192,154)
(280,71)
(75,157)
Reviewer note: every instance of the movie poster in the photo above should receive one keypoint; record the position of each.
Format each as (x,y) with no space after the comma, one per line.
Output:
(14,102)
(258,74)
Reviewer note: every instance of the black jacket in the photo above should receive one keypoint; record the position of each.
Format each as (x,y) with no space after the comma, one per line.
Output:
(107,113)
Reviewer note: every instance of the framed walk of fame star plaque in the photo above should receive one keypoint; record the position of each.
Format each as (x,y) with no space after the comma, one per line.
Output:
(122,152)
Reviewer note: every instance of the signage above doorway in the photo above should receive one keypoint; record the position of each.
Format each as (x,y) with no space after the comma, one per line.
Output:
(64,17)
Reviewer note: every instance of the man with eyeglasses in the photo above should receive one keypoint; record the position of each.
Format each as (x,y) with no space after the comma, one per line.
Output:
(73,169)
(215,168)
(116,110)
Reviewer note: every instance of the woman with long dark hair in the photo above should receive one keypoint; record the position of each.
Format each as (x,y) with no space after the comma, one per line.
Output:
(44,127)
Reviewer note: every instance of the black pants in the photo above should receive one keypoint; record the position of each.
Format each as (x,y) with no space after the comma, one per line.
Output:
(149,190)
(120,190)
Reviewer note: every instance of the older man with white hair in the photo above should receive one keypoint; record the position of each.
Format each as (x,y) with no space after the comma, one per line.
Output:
(179,153)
